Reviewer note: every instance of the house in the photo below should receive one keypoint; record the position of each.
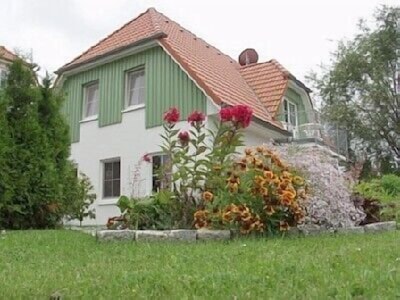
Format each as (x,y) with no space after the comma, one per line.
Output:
(6,57)
(117,92)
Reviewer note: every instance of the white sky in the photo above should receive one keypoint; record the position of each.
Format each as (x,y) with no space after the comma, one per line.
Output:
(299,34)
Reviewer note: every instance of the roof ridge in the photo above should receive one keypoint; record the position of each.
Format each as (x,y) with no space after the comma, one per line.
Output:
(153,14)
(111,34)
(280,67)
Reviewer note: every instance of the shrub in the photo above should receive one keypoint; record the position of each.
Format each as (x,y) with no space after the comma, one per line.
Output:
(261,193)
(385,190)
(79,199)
(157,212)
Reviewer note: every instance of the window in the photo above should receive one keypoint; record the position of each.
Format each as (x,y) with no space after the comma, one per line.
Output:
(112,179)
(135,88)
(290,110)
(91,100)
(161,174)
(3,78)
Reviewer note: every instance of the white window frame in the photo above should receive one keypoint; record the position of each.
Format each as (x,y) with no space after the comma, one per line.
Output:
(128,89)
(289,112)
(154,175)
(103,178)
(86,87)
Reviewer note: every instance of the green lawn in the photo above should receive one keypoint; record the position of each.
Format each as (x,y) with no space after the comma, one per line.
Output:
(35,264)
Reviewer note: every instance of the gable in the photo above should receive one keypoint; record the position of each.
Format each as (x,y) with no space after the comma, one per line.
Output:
(297,99)
(166,86)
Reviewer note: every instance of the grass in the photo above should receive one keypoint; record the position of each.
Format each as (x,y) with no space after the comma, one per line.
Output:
(36,264)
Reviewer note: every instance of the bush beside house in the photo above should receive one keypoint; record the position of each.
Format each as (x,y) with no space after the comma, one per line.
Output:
(380,198)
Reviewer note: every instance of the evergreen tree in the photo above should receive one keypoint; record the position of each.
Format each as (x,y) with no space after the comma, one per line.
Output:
(37,182)
(6,188)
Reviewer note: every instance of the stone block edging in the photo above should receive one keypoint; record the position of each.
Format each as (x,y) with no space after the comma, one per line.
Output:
(223,235)
(163,235)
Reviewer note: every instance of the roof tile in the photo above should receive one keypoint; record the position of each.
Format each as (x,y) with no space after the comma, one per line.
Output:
(269,81)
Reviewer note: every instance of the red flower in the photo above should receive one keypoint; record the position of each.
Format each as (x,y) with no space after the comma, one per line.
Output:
(184,137)
(172,115)
(196,117)
(226,114)
(241,115)
(146,158)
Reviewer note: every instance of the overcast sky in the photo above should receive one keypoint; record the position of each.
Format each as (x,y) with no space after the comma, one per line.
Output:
(299,34)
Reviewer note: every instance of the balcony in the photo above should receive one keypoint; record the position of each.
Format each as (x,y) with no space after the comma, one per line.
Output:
(311,128)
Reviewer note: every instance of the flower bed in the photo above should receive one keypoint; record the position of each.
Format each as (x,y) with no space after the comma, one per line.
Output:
(212,187)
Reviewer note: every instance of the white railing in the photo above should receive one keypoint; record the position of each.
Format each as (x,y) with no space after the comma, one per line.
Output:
(312,127)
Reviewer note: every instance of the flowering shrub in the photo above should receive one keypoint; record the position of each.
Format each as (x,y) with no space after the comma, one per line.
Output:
(261,194)
(210,187)
(216,190)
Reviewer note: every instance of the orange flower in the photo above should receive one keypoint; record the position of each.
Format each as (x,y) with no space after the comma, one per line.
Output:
(283,226)
(227,216)
(208,196)
(268,175)
(276,180)
(248,151)
(259,181)
(201,219)
(269,210)
(287,197)
(233,187)
(299,216)
(260,149)
(258,163)
(284,184)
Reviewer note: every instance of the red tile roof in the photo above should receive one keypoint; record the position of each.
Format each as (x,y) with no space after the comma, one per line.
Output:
(6,54)
(269,81)
(220,76)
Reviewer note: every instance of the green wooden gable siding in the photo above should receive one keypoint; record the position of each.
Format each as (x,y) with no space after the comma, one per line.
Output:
(166,86)
(296,98)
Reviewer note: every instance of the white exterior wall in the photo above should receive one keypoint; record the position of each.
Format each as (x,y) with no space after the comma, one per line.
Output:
(129,141)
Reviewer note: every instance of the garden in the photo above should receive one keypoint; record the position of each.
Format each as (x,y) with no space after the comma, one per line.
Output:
(212,182)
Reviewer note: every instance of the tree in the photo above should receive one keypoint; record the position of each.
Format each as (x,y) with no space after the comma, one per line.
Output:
(6,188)
(360,90)
(34,151)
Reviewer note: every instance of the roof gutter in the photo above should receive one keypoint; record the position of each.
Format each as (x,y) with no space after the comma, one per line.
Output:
(299,83)
(114,52)
(272,126)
